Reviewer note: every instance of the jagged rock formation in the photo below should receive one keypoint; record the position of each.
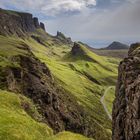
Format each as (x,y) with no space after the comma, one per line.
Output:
(18,23)
(116,46)
(126,110)
(63,38)
(80,52)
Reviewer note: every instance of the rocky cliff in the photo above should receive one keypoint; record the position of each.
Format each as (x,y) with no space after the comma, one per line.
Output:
(126,110)
(18,23)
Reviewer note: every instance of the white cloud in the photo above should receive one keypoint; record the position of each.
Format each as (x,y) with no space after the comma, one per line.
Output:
(120,24)
(55,7)
(49,7)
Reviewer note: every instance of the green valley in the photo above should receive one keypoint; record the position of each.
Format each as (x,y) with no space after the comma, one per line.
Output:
(51,87)
(85,76)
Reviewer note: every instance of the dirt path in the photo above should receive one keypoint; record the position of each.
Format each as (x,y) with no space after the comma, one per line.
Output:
(104,105)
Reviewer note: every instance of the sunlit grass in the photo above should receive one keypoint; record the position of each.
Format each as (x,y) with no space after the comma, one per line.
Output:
(15,123)
(109,98)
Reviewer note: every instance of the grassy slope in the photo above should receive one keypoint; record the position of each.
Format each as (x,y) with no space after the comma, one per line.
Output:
(109,98)
(68,136)
(70,73)
(16,124)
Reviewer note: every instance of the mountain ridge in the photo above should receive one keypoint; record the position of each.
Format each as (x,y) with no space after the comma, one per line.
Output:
(115,49)
(116,46)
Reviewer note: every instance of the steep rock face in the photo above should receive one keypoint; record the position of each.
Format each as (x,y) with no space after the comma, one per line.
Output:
(17,23)
(36,22)
(126,110)
(33,79)
(42,26)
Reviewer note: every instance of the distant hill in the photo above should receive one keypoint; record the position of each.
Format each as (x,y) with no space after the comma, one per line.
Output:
(116,46)
(115,49)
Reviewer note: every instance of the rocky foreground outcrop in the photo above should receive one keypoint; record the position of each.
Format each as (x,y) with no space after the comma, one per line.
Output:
(126,110)
(18,23)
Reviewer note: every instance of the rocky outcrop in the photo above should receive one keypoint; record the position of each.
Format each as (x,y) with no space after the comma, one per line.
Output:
(63,38)
(77,50)
(126,110)
(81,52)
(17,23)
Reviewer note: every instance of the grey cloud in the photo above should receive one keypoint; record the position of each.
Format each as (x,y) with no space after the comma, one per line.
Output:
(121,23)
(49,7)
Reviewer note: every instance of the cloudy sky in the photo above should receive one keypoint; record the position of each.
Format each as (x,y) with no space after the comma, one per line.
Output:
(96,22)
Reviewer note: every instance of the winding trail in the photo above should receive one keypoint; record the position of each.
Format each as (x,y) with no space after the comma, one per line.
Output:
(104,105)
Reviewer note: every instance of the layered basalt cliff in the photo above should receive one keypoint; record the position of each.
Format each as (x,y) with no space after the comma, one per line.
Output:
(126,110)
(18,23)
